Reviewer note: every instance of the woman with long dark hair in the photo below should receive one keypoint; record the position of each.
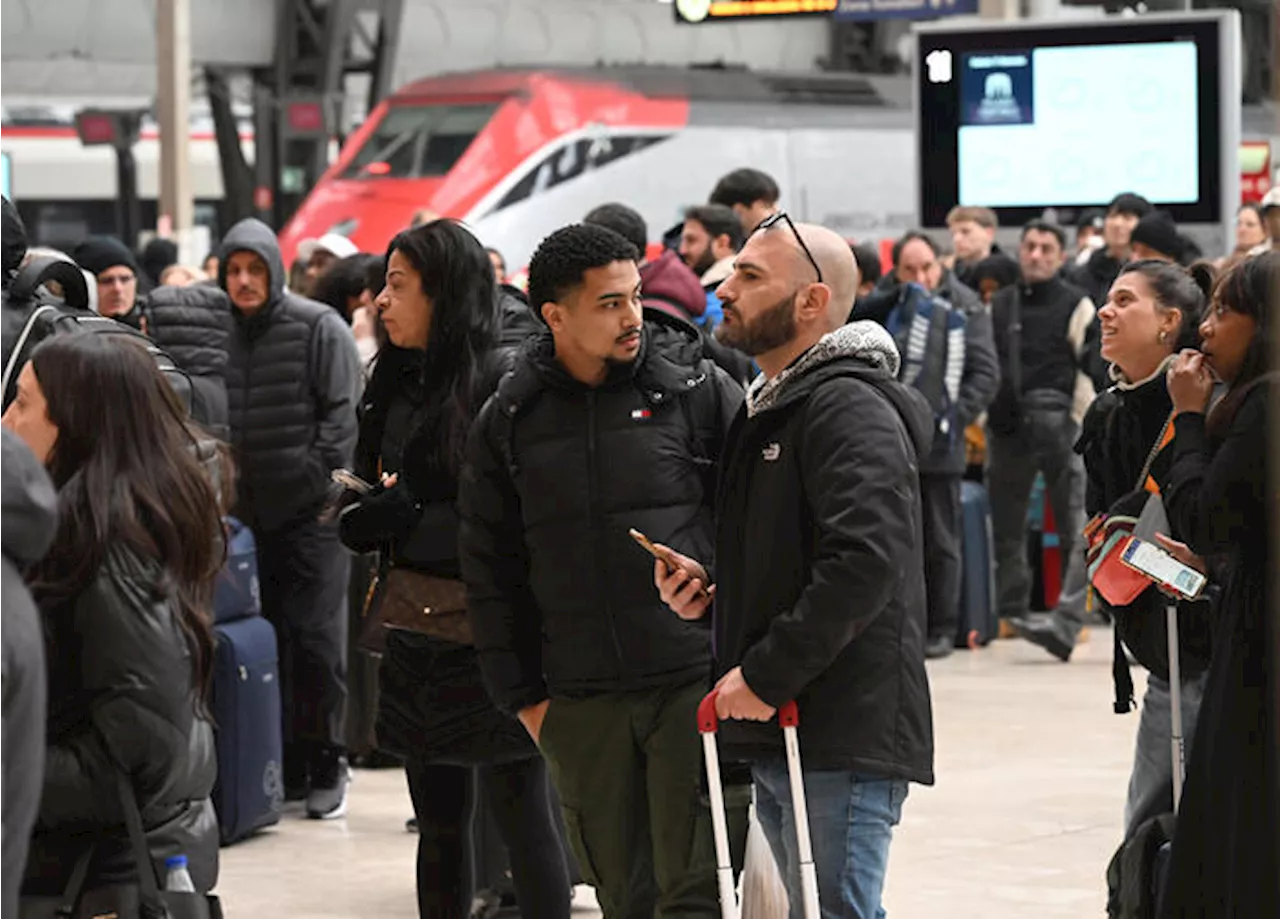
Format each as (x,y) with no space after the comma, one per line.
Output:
(1126,441)
(1225,861)
(123,592)
(443,361)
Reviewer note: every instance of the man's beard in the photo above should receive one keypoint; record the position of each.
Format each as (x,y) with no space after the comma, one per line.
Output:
(772,329)
(704,262)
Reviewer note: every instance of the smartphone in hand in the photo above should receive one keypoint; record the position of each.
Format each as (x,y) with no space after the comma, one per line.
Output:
(1163,568)
(664,555)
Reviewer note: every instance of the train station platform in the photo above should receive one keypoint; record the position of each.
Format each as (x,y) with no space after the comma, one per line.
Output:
(1032,768)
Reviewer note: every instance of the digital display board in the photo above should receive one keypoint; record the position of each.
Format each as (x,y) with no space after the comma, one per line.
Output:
(1025,119)
(695,12)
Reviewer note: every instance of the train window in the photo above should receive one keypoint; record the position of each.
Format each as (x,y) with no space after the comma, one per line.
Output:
(574,158)
(418,140)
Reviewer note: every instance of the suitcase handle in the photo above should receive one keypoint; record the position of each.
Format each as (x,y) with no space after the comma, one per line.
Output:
(789,719)
(708,721)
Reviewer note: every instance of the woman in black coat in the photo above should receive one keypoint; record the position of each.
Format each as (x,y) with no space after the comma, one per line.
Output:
(122,592)
(1225,861)
(439,310)
(1151,313)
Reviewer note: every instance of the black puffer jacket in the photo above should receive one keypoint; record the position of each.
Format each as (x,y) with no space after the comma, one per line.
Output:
(562,600)
(433,705)
(820,587)
(120,691)
(193,326)
(30,515)
(293,381)
(1117,435)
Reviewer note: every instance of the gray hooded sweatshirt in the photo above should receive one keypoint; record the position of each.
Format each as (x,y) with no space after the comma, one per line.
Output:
(30,511)
(293,383)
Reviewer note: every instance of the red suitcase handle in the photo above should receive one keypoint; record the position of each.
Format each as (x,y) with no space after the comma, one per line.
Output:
(708,721)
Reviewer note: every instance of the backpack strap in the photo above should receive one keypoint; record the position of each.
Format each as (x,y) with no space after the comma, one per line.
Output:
(40,270)
(20,352)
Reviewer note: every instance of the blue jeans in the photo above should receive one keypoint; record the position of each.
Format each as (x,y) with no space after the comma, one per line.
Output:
(1151,782)
(851,820)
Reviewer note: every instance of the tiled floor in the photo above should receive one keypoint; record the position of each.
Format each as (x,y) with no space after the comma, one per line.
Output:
(1031,764)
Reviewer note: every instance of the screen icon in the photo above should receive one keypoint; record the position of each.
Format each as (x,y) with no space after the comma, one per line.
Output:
(939,65)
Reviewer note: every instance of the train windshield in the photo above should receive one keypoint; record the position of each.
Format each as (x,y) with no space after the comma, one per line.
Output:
(412,141)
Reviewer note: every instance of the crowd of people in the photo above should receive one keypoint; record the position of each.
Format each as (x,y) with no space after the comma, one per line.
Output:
(783,413)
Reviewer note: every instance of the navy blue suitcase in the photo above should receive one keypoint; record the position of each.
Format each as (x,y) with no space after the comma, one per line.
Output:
(237,593)
(246,709)
(979,618)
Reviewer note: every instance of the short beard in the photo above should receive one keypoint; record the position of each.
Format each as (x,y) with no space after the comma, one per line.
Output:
(704,262)
(772,329)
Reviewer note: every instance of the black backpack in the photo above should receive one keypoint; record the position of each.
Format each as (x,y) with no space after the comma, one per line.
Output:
(32,314)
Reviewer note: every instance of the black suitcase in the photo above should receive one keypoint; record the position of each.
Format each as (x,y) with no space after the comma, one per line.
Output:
(979,619)
(249,791)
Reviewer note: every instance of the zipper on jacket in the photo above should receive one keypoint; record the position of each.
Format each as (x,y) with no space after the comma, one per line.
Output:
(597,530)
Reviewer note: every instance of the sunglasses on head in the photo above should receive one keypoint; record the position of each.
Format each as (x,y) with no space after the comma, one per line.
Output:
(781,217)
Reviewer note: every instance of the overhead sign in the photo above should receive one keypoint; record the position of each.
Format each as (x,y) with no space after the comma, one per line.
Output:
(696,12)
(864,10)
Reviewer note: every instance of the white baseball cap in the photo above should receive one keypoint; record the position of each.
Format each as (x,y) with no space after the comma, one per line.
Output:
(1272,198)
(334,243)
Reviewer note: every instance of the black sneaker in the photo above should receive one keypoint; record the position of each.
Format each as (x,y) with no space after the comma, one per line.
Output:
(327,799)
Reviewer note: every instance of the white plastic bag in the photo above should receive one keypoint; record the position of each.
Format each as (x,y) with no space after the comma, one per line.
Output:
(764,896)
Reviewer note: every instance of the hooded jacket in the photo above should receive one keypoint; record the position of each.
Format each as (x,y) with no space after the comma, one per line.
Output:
(293,381)
(668,284)
(30,511)
(820,578)
(561,599)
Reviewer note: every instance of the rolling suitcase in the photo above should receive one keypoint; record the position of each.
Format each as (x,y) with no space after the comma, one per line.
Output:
(246,709)
(979,619)
(789,720)
(237,593)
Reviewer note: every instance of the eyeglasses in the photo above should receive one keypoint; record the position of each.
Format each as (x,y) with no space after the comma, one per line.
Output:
(781,217)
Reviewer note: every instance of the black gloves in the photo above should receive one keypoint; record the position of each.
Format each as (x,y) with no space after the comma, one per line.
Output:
(385,517)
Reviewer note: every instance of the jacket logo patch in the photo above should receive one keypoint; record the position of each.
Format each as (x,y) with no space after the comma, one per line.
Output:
(641,414)
(771,452)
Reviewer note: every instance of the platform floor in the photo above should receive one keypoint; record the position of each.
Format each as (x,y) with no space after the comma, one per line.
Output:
(1032,768)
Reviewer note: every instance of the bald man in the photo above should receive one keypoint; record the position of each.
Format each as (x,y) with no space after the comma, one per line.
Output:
(820,593)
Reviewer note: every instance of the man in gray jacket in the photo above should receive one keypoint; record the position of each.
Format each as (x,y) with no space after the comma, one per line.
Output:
(293,382)
(30,509)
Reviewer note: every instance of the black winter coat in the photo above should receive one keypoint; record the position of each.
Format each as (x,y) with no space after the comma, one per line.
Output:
(30,513)
(120,691)
(562,600)
(820,594)
(193,326)
(1117,435)
(1226,852)
(293,381)
(433,706)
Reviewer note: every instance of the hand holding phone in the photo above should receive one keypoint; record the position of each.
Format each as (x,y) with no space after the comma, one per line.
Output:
(681,582)
(1163,568)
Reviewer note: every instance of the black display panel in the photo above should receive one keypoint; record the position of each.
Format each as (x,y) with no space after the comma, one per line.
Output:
(1022,120)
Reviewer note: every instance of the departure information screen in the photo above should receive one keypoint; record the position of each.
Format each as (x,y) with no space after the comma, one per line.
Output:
(1058,118)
